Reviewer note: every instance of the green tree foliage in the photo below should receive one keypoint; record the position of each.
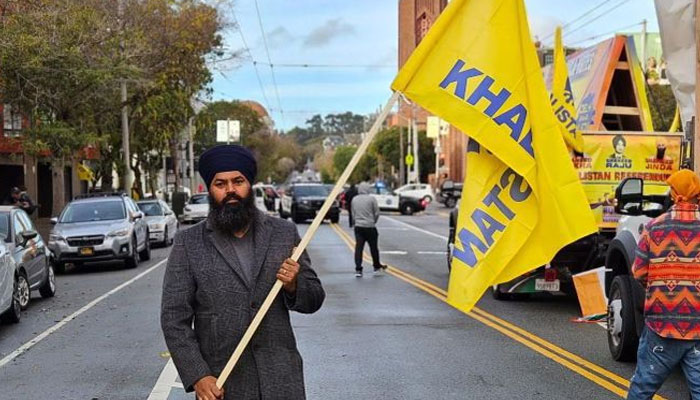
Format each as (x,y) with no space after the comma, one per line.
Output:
(366,169)
(663,106)
(250,121)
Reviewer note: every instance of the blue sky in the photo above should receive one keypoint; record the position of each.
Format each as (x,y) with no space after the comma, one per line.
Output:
(362,33)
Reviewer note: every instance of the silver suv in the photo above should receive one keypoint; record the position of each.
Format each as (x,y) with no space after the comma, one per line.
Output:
(99,227)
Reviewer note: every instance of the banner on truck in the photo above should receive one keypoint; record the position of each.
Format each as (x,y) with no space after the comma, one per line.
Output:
(610,157)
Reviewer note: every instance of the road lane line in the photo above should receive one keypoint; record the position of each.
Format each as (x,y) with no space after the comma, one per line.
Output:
(520,335)
(395,252)
(441,253)
(166,381)
(25,347)
(416,228)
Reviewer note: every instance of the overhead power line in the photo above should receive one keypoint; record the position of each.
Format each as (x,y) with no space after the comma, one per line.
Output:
(269,60)
(605,34)
(308,65)
(245,44)
(567,33)
(568,24)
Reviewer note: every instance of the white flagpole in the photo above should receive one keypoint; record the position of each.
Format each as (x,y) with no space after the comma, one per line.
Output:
(306,239)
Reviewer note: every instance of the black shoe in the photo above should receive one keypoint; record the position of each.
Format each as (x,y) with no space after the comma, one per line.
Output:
(358,273)
(379,269)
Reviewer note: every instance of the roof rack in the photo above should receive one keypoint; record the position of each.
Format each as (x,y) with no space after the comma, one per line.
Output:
(99,194)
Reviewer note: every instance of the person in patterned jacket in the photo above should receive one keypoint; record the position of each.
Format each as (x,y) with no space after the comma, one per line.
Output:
(667,264)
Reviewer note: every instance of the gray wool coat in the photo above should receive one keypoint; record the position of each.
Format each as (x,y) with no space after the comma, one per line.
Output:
(207,306)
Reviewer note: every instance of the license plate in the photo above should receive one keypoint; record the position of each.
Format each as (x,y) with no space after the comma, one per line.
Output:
(547,286)
(86,251)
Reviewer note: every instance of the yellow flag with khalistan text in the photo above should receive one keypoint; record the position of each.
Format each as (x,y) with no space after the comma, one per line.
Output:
(522,200)
(562,98)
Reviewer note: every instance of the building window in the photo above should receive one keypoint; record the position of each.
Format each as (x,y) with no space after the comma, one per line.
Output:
(12,121)
(548,58)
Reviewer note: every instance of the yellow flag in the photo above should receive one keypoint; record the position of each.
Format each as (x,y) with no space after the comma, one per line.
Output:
(522,201)
(85,173)
(562,98)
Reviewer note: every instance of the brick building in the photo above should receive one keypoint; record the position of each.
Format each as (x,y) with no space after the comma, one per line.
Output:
(415,19)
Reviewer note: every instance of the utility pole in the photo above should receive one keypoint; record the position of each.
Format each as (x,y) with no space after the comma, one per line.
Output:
(125,112)
(643,51)
(416,163)
(409,141)
(402,169)
(190,150)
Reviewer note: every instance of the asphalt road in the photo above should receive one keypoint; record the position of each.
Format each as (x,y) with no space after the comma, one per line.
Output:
(390,336)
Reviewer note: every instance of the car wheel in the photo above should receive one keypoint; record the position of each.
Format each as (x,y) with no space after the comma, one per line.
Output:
(407,209)
(428,199)
(13,314)
(450,202)
(169,240)
(145,254)
(23,291)
(335,219)
(133,260)
(297,219)
(48,289)
(622,331)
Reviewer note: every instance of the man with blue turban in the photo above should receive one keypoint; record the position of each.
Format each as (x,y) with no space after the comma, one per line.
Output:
(218,275)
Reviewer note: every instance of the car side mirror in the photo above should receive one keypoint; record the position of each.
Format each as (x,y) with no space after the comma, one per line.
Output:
(629,196)
(168,213)
(54,221)
(136,215)
(27,236)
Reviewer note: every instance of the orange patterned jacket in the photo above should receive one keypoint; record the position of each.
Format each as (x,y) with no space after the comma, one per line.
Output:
(667,264)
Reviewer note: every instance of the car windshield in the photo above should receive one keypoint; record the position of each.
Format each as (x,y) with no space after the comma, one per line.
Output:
(151,209)
(4,225)
(200,199)
(308,191)
(93,211)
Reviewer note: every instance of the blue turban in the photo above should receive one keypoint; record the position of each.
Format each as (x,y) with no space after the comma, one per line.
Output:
(226,158)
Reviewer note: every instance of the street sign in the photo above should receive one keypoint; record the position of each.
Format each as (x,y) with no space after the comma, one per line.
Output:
(433,127)
(228,131)
(409,159)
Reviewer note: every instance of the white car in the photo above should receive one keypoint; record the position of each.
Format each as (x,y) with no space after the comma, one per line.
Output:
(417,191)
(161,220)
(197,208)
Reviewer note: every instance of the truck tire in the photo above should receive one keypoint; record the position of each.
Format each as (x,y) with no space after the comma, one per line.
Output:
(622,332)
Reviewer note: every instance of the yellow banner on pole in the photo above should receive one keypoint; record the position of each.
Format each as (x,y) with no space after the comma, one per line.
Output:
(85,173)
(562,98)
(522,201)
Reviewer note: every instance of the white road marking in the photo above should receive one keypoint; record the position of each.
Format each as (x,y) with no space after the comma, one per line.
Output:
(442,253)
(416,229)
(25,347)
(166,381)
(397,252)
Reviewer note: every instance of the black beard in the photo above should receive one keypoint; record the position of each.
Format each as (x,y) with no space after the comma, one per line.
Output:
(231,218)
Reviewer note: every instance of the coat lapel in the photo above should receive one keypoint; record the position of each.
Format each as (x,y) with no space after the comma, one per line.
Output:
(225,247)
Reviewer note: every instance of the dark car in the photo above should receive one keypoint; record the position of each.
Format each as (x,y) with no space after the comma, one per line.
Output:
(450,192)
(302,201)
(29,252)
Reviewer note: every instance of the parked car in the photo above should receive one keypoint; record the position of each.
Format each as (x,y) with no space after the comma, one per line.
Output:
(450,192)
(10,308)
(197,208)
(161,220)
(100,227)
(302,201)
(421,191)
(266,197)
(30,254)
(626,295)
(390,201)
